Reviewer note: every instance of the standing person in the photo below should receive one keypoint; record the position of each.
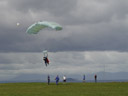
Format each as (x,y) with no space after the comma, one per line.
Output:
(64,79)
(48,79)
(95,76)
(57,79)
(84,78)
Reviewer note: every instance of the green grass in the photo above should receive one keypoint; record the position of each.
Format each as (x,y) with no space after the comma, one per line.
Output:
(69,89)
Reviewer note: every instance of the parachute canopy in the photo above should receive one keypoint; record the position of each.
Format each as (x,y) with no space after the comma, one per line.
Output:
(36,27)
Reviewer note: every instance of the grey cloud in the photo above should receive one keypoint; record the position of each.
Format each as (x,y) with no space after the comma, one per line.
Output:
(57,7)
(20,58)
(68,63)
(97,11)
(62,60)
(87,25)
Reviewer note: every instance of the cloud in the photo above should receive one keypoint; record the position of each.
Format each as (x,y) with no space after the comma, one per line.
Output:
(93,39)
(87,25)
(69,63)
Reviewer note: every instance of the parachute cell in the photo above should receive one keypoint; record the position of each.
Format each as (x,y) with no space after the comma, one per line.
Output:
(36,27)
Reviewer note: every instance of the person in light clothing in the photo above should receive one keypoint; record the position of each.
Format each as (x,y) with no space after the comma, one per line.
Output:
(64,79)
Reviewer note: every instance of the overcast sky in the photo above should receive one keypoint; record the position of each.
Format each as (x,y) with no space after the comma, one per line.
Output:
(93,39)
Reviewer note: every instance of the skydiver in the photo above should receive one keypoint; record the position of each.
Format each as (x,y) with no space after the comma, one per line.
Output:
(46,61)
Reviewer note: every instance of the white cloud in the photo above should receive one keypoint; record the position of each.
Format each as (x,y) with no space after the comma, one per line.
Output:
(95,25)
(69,63)
(93,39)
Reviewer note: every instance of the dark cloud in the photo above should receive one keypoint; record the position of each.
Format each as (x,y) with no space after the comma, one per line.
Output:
(69,63)
(56,7)
(87,25)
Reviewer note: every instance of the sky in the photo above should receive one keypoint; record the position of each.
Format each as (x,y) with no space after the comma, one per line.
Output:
(93,39)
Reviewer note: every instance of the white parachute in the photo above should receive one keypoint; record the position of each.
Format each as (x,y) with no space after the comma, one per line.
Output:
(36,27)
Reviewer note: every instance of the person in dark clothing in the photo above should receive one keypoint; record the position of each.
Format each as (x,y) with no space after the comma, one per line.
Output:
(48,79)
(95,76)
(84,78)
(46,60)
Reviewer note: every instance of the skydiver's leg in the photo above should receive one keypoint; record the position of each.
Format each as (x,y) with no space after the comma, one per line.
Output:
(46,64)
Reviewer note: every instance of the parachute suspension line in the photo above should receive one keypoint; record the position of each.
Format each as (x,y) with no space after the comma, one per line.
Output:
(45,53)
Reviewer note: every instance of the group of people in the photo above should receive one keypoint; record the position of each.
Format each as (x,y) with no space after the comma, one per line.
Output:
(64,79)
(95,77)
(46,61)
(57,79)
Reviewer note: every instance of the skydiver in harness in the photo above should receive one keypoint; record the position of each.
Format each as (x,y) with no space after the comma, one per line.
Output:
(45,58)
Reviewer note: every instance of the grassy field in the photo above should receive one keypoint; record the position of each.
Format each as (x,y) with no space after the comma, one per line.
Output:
(69,89)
